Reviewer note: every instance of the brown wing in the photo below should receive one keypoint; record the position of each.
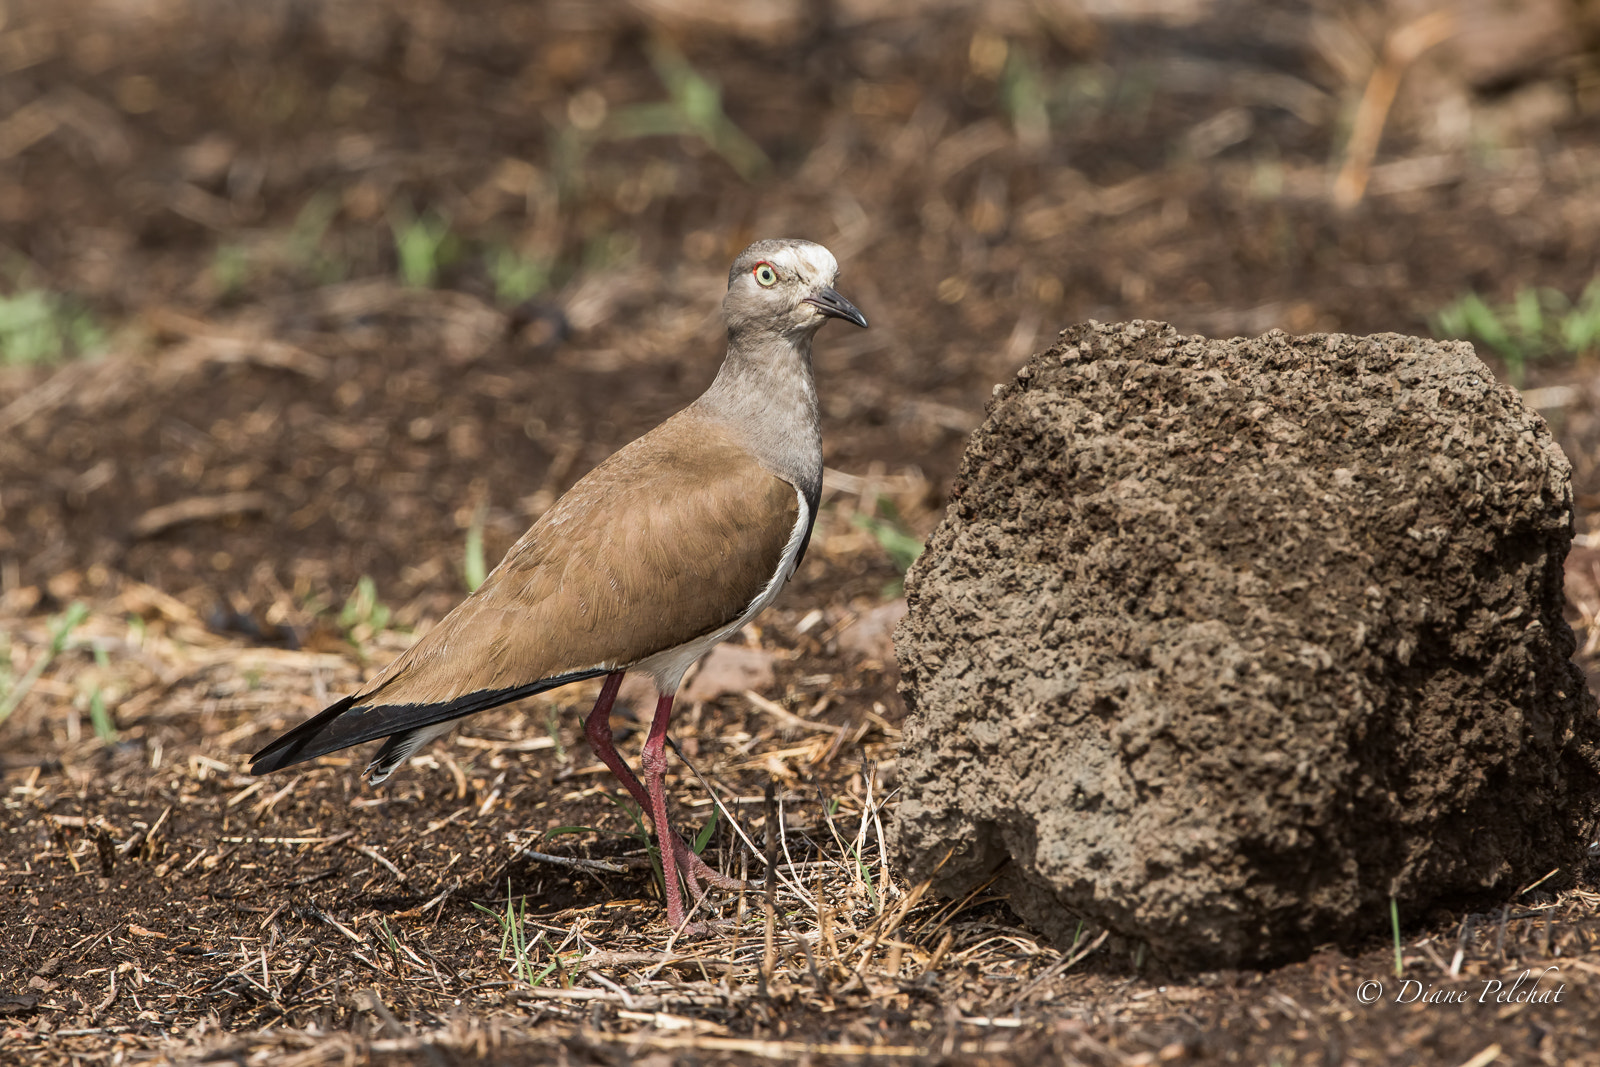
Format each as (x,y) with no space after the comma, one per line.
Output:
(670,538)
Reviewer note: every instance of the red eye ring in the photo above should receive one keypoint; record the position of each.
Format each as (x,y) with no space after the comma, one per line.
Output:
(765,274)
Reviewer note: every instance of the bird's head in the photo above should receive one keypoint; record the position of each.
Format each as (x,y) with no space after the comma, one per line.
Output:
(785,287)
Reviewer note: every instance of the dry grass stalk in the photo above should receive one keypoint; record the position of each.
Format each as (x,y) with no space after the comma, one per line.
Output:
(1404,46)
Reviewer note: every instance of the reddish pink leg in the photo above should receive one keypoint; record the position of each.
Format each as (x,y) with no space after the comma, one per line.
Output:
(597,728)
(653,761)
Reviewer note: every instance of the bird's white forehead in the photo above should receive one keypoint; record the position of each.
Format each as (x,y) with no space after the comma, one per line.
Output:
(808,260)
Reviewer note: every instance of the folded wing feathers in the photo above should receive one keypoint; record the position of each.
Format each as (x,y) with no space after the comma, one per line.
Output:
(345,723)
(671,538)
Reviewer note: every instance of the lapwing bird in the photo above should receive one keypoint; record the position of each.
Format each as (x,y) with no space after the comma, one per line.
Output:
(669,546)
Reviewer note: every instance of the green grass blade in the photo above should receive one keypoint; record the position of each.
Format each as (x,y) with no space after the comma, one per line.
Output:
(1394,923)
(516,277)
(549,967)
(900,546)
(100,716)
(1580,327)
(703,838)
(472,568)
(60,628)
(631,810)
(1528,313)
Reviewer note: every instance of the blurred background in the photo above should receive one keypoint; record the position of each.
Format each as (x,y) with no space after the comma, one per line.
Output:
(295,295)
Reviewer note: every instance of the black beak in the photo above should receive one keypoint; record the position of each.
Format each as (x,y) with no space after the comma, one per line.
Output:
(835,306)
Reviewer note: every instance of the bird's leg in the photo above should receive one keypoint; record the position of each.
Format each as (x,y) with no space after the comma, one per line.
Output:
(653,761)
(597,729)
(673,849)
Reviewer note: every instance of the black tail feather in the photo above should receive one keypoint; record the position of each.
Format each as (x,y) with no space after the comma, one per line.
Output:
(290,748)
(343,724)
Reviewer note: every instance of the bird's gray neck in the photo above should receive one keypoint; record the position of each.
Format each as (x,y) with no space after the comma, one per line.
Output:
(764,394)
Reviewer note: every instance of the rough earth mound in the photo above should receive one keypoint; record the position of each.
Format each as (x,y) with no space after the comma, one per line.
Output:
(1223,643)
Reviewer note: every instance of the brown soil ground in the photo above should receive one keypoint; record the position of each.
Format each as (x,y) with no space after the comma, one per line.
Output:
(278,417)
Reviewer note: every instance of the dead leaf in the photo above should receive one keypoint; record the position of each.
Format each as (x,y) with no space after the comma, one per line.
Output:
(871,636)
(730,669)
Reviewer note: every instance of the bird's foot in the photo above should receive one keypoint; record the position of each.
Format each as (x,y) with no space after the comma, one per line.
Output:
(695,870)
(706,928)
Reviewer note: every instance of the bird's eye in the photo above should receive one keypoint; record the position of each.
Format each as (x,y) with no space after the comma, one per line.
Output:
(766,277)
